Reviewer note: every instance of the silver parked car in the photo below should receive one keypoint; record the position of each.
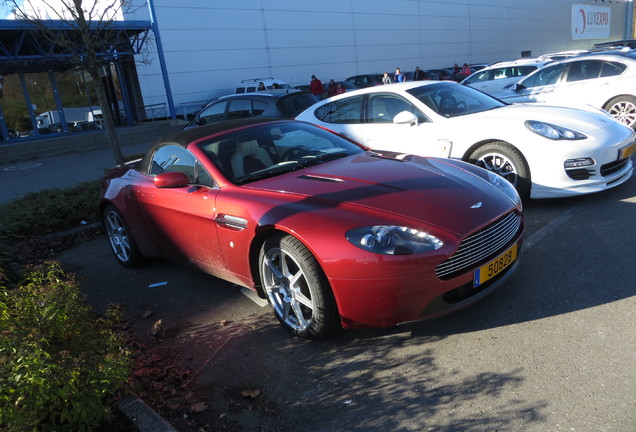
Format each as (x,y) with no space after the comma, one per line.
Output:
(501,75)
(605,80)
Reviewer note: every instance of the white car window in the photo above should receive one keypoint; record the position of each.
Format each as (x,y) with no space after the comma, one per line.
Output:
(612,69)
(342,111)
(543,77)
(584,70)
(480,77)
(384,107)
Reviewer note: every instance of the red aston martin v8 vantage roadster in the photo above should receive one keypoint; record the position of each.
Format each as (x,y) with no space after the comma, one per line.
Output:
(332,234)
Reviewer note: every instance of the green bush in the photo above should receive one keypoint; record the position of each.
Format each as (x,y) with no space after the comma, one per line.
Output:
(59,362)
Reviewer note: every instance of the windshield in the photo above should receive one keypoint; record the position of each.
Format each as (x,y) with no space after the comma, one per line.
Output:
(454,100)
(272,149)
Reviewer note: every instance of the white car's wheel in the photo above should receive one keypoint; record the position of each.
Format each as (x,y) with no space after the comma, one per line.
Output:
(623,109)
(505,160)
(297,288)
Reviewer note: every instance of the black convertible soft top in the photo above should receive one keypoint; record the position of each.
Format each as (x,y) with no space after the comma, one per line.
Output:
(187,136)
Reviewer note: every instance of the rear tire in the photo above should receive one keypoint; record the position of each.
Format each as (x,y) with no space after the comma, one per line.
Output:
(120,239)
(297,288)
(623,109)
(505,160)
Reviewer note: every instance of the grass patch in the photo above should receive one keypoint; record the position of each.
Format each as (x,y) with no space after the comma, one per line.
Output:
(50,211)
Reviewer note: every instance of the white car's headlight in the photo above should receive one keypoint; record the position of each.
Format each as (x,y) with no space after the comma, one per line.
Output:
(505,187)
(393,240)
(553,132)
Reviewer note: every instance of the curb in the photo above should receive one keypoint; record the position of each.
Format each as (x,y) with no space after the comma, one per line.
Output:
(72,231)
(142,416)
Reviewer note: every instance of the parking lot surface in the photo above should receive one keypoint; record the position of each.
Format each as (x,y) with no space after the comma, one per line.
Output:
(552,350)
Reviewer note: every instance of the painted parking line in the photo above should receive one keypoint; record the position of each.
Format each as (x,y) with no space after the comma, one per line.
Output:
(22,166)
(549,228)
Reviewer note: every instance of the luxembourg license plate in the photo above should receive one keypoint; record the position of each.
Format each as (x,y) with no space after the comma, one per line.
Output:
(627,151)
(494,267)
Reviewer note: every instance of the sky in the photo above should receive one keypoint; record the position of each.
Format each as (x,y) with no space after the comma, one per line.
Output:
(5,9)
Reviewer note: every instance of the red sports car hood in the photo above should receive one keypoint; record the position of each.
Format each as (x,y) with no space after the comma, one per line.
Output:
(434,191)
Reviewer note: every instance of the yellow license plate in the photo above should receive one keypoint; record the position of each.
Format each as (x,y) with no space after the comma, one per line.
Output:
(627,151)
(494,267)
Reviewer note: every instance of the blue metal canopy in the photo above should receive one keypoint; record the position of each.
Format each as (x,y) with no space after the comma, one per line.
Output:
(24,47)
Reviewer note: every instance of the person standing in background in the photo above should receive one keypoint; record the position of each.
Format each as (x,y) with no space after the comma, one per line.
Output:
(331,89)
(399,76)
(418,75)
(386,79)
(315,87)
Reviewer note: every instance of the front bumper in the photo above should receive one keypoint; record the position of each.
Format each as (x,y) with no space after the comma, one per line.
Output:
(595,184)
(372,302)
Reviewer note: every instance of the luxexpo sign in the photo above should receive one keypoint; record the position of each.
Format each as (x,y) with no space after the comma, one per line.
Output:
(590,22)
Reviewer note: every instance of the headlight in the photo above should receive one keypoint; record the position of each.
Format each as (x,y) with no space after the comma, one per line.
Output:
(505,187)
(393,240)
(553,132)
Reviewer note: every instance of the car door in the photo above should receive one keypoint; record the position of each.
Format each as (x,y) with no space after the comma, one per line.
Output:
(382,131)
(588,82)
(578,78)
(539,86)
(182,218)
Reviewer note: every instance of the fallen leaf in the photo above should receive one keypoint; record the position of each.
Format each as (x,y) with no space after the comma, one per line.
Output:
(156,328)
(198,407)
(250,393)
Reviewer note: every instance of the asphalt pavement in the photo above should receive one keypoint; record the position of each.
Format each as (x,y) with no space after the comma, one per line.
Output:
(59,172)
(554,349)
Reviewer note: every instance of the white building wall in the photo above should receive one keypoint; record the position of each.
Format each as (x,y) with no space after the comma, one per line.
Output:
(210,45)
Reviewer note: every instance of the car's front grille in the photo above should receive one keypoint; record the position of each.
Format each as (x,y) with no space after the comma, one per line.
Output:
(481,245)
(612,167)
(579,173)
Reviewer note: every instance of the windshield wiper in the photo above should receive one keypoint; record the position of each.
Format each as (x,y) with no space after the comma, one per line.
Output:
(326,157)
(260,175)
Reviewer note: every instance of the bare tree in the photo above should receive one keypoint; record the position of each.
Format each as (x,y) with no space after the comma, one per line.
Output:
(84,32)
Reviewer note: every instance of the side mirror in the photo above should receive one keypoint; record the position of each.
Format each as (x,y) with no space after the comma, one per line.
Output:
(405,117)
(171,180)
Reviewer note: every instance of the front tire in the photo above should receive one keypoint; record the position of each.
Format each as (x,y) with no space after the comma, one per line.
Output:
(623,109)
(296,288)
(121,241)
(505,160)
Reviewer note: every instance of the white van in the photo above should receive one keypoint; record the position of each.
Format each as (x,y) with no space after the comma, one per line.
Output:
(251,85)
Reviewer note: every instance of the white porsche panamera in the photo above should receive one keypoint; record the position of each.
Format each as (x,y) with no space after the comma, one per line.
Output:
(544,151)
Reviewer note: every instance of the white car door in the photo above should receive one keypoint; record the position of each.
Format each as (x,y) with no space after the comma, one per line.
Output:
(539,86)
(395,124)
(588,82)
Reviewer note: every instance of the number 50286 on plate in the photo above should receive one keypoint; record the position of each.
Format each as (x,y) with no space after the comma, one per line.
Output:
(496,266)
